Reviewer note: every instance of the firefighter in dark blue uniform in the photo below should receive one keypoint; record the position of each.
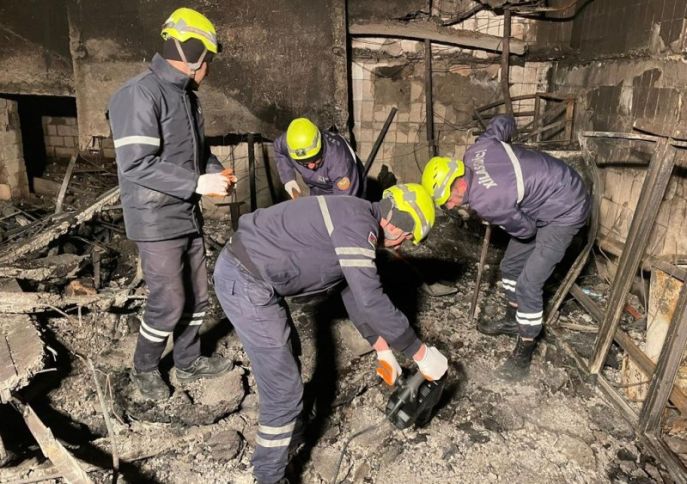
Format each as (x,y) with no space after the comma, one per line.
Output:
(306,246)
(325,161)
(537,199)
(164,165)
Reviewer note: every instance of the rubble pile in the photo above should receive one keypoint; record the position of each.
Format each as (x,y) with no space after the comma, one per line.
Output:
(80,286)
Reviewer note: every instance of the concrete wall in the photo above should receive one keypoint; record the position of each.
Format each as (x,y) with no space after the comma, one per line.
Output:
(613,93)
(281,59)
(13,180)
(35,54)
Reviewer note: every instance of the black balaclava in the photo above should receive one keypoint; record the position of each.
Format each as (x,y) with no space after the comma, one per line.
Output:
(193,49)
(402,220)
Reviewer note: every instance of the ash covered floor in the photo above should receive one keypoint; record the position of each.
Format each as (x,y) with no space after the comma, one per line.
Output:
(551,427)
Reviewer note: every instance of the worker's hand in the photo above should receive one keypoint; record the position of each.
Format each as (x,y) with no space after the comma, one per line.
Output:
(387,367)
(293,189)
(431,363)
(212,184)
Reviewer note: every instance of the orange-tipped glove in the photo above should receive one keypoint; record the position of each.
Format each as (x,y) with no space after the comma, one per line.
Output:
(216,184)
(387,367)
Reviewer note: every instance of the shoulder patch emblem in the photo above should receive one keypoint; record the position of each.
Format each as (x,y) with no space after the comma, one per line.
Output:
(372,239)
(343,184)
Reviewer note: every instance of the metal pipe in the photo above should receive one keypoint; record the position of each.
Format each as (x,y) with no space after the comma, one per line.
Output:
(378,141)
(251,172)
(480,270)
(429,99)
(505,53)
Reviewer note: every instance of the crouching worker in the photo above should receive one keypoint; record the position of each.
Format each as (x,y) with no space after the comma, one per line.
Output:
(306,246)
(538,200)
(325,161)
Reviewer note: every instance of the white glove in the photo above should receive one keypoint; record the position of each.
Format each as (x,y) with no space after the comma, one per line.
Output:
(212,184)
(290,187)
(387,367)
(433,365)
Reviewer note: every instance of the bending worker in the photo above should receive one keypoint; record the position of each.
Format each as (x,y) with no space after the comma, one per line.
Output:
(538,200)
(163,167)
(307,246)
(324,159)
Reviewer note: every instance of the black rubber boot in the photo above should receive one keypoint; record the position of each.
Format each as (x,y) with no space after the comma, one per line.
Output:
(204,367)
(150,384)
(505,325)
(517,366)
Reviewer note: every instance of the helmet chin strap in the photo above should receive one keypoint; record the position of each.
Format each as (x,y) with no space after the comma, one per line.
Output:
(193,66)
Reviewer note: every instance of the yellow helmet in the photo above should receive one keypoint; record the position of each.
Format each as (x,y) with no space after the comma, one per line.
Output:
(303,139)
(438,176)
(413,199)
(186,23)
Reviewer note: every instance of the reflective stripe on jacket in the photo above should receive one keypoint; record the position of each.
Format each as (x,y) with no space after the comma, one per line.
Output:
(520,189)
(157,129)
(309,244)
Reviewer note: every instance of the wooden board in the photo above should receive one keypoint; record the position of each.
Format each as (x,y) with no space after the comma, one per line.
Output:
(21,352)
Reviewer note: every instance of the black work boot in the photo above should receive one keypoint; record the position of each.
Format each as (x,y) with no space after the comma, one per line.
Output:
(517,366)
(505,325)
(204,367)
(150,384)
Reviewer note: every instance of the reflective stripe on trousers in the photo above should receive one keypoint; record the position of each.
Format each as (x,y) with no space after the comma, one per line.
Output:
(260,320)
(176,276)
(531,262)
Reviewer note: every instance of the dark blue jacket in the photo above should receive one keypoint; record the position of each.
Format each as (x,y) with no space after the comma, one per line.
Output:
(339,162)
(157,129)
(311,243)
(521,194)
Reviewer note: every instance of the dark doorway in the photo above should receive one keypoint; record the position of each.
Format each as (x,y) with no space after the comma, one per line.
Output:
(31,111)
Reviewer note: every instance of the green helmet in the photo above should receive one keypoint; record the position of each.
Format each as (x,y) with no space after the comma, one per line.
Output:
(303,140)
(438,176)
(414,200)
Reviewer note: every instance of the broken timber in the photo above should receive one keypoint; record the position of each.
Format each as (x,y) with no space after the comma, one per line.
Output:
(21,353)
(66,463)
(60,224)
(46,268)
(35,302)
(435,33)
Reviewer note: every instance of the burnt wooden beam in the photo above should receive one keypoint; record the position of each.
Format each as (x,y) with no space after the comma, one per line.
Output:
(624,340)
(65,184)
(58,226)
(46,268)
(63,460)
(436,33)
(669,362)
(653,190)
(36,302)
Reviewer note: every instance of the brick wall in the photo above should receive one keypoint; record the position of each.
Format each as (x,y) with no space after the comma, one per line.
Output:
(61,136)
(12,168)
